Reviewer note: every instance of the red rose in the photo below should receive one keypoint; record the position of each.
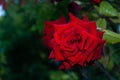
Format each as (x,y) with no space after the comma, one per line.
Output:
(76,43)
(49,30)
(95,1)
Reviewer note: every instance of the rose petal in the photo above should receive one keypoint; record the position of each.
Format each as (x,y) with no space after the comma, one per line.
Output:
(92,27)
(58,34)
(82,43)
(67,65)
(73,18)
(57,51)
(52,55)
(61,67)
(49,30)
(100,34)
(74,59)
(98,51)
(91,55)
(85,19)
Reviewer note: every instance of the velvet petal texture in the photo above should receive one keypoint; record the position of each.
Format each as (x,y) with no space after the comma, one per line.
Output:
(74,43)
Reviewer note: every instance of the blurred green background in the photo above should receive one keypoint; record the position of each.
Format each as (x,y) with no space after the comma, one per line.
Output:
(24,57)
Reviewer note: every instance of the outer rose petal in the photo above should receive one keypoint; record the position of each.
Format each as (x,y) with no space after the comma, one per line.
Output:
(46,40)
(73,18)
(61,66)
(65,65)
(91,40)
(76,58)
(49,30)
(57,52)
(89,26)
(52,55)
(85,18)
(61,20)
(90,56)
(100,34)
(98,51)
(93,28)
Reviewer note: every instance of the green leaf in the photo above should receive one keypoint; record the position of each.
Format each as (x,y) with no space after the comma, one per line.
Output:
(111,37)
(107,62)
(106,9)
(101,23)
(110,64)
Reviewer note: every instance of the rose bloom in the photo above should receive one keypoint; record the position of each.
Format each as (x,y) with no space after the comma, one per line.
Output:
(76,43)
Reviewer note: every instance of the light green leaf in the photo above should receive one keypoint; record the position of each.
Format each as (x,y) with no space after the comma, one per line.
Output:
(111,37)
(107,9)
(101,23)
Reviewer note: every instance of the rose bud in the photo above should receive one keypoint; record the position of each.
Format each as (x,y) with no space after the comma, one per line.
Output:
(74,6)
(75,43)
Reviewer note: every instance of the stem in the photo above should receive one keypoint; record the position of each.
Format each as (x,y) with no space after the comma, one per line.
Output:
(105,71)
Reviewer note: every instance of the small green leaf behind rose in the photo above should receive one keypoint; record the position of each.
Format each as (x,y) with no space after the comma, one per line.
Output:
(111,37)
(101,23)
(106,9)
